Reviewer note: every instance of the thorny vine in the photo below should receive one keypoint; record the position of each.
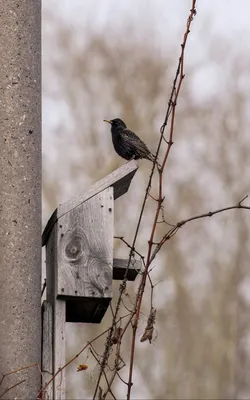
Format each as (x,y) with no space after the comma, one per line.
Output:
(116,331)
(137,307)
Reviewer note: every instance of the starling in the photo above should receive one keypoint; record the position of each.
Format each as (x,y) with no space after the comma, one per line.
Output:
(126,143)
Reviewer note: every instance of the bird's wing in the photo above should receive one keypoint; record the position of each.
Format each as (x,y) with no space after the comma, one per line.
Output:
(130,134)
(136,143)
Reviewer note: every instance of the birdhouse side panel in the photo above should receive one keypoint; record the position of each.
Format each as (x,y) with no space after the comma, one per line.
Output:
(85,248)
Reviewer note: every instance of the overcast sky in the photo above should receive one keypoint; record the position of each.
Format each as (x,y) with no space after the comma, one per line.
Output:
(216,19)
(227,17)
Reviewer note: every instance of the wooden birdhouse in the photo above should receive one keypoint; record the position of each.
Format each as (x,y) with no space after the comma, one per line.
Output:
(80,264)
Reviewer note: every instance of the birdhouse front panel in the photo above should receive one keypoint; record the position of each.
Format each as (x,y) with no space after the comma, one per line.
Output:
(85,248)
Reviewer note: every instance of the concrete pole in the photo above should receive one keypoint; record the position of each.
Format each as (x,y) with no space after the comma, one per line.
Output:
(20,196)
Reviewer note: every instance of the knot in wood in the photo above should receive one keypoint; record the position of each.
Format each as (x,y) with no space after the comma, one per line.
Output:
(74,248)
(100,275)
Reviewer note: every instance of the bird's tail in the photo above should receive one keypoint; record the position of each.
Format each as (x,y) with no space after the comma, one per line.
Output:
(151,157)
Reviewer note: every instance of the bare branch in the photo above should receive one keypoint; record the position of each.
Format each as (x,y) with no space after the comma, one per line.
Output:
(11,387)
(179,224)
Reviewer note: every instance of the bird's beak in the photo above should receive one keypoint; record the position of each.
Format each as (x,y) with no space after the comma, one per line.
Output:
(107,120)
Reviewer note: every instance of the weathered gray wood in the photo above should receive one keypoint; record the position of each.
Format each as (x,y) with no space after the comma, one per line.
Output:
(120,266)
(91,309)
(119,179)
(79,267)
(51,262)
(58,323)
(59,349)
(47,348)
(85,248)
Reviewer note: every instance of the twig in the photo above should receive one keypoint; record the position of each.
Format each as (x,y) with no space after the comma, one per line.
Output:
(170,111)
(211,213)
(117,367)
(75,357)
(92,350)
(19,370)
(130,247)
(11,387)
(70,361)
(125,383)
(179,224)
(172,101)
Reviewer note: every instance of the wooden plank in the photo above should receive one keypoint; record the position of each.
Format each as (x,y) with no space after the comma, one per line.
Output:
(84,268)
(120,266)
(47,348)
(85,248)
(119,179)
(51,261)
(58,320)
(48,228)
(59,350)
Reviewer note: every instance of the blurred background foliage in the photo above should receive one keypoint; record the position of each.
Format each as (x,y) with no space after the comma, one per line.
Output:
(101,61)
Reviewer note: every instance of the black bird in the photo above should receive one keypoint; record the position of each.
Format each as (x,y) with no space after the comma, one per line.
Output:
(126,143)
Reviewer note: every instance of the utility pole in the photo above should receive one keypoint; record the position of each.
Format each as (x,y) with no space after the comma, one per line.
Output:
(20,198)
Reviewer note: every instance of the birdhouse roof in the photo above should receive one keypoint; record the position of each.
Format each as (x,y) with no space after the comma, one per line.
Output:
(119,179)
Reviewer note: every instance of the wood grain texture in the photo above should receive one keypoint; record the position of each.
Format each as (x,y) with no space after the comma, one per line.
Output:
(85,248)
(47,348)
(59,351)
(59,317)
(119,179)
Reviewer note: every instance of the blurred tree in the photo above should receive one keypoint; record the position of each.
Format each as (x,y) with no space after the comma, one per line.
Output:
(201,350)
